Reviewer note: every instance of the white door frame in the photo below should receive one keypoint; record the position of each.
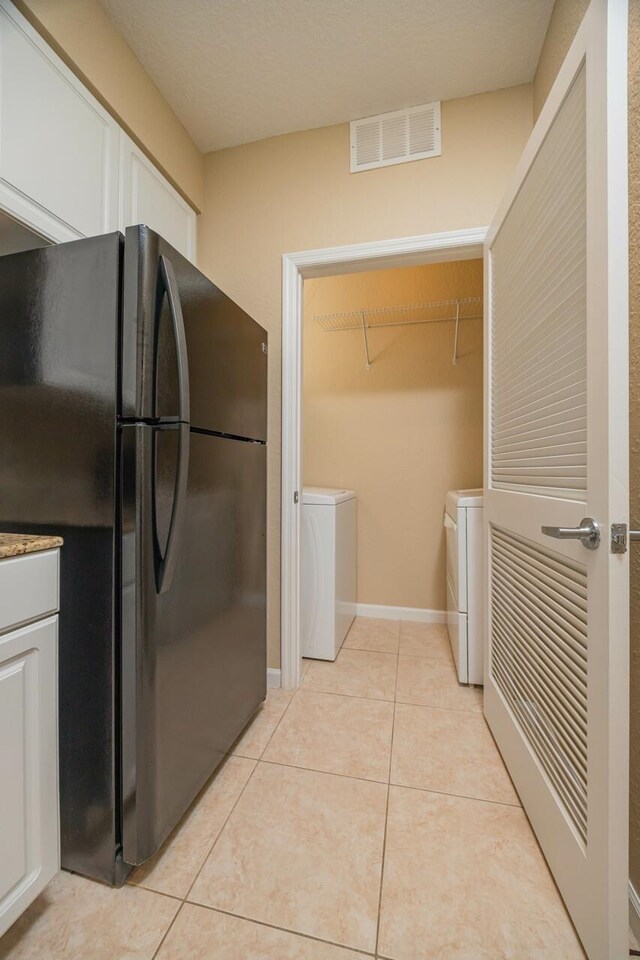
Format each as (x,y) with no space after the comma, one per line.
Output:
(296,267)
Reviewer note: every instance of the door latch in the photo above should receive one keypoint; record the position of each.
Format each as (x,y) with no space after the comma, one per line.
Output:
(296,496)
(618,538)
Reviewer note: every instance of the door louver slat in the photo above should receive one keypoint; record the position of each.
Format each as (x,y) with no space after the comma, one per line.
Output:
(539,659)
(556,708)
(538,302)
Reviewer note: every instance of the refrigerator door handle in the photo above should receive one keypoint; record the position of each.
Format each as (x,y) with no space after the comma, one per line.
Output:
(168,565)
(175,309)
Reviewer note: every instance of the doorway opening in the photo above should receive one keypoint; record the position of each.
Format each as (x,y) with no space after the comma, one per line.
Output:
(443,248)
(392,414)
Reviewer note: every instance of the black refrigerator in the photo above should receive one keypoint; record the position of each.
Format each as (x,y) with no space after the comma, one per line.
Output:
(133,423)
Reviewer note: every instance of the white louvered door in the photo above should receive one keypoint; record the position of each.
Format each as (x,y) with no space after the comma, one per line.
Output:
(556,675)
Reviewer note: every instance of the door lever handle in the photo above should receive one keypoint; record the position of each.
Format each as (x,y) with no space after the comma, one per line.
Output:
(588,533)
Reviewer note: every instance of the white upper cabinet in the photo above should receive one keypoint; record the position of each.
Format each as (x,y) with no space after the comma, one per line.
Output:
(146,197)
(67,169)
(58,146)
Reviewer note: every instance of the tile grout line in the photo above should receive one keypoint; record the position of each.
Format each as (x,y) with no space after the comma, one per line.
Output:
(282,716)
(392,783)
(354,696)
(332,693)
(271,735)
(167,931)
(274,926)
(457,796)
(392,653)
(407,703)
(220,831)
(237,800)
(386,813)
(328,773)
(437,706)
(141,886)
(389,653)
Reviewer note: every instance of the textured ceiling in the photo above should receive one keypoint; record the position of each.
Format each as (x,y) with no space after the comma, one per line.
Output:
(241,70)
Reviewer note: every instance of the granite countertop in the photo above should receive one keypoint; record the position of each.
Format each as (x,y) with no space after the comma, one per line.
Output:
(17,544)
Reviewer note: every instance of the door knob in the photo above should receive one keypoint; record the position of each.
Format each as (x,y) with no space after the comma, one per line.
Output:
(588,533)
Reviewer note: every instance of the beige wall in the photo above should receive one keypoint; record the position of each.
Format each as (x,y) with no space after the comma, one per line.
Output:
(567,16)
(82,34)
(295,192)
(402,433)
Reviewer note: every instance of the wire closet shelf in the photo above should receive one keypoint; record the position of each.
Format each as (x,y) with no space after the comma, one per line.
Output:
(405,314)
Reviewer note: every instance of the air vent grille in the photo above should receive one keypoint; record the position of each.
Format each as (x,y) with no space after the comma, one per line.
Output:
(411,134)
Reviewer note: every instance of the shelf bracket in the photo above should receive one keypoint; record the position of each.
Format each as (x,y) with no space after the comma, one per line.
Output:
(455,339)
(366,341)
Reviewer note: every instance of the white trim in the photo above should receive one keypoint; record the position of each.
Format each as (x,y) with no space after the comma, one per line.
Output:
(379,255)
(33,215)
(634,911)
(273,678)
(382,612)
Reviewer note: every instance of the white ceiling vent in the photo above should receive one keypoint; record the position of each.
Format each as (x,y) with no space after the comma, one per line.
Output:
(411,134)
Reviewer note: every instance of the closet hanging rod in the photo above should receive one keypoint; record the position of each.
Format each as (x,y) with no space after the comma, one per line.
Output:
(468,308)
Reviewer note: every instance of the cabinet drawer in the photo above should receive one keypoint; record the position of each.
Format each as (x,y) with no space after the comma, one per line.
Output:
(28,587)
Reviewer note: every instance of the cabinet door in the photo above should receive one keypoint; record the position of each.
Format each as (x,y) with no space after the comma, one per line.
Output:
(58,146)
(29,845)
(147,197)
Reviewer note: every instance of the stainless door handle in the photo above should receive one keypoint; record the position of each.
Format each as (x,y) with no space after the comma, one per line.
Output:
(588,533)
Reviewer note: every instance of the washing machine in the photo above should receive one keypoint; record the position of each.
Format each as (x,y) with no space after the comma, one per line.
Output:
(463,526)
(328,570)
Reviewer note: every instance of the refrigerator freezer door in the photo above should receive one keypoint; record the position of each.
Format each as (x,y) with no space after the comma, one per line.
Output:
(194,656)
(226,349)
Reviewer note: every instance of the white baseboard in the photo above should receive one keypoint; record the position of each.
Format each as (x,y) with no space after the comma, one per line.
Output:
(634,911)
(382,612)
(273,678)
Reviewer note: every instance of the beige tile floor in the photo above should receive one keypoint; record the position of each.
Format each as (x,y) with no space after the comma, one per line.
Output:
(368,815)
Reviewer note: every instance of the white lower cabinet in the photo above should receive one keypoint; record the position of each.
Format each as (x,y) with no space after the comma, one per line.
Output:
(29,815)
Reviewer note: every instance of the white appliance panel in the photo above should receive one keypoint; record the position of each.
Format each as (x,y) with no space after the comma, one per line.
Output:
(463,529)
(457,628)
(328,570)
